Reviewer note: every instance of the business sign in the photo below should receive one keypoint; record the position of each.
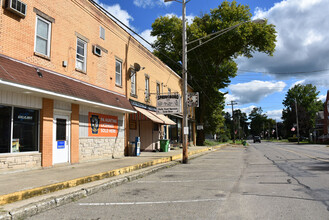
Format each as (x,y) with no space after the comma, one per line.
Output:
(100,125)
(193,99)
(168,104)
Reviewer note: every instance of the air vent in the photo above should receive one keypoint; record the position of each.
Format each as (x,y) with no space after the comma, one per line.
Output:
(97,51)
(17,7)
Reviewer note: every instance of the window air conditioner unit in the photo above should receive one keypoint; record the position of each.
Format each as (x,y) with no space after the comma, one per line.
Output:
(97,51)
(17,7)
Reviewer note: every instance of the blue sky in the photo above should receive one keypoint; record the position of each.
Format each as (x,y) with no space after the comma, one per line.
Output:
(302,51)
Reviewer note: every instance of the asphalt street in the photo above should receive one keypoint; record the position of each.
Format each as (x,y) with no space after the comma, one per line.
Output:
(262,181)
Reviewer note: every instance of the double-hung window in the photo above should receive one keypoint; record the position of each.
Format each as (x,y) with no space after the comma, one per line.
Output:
(42,37)
(147,88)
(158,88)
(81,58)
(133,82)
(118,73)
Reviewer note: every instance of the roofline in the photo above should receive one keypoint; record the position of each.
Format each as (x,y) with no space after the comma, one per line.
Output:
(61,75)
(100,8)
(72,98)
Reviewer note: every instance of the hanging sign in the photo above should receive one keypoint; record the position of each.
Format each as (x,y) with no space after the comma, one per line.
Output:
(100,125)
(168,104)
(193,99)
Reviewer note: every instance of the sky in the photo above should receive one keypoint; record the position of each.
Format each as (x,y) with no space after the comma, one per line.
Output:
(302,47)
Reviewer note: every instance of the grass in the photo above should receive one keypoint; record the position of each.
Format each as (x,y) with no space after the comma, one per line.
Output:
(212,143)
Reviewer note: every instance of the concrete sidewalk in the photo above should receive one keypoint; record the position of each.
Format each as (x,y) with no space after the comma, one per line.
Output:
(17,186)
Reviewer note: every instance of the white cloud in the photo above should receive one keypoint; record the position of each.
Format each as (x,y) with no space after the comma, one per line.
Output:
(254,91)
(302,41)
(119,13)
(322,98)
(147,36)
(300,82)
(248,109)
(189,18)
(151,3)
(275,114)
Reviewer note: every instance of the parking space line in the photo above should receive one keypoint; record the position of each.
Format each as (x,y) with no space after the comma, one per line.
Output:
(149,203)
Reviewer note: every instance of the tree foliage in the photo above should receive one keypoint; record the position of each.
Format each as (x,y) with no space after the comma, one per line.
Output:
(212,65)
(307,107)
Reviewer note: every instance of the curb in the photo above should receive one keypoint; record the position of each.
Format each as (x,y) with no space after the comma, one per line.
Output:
(44,205)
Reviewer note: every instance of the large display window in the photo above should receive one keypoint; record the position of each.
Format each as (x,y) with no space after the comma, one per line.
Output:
(18,129)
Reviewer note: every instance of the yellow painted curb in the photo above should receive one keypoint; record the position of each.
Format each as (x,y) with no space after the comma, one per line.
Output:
(26,194)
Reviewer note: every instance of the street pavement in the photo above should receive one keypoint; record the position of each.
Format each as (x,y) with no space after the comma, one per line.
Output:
(263,181)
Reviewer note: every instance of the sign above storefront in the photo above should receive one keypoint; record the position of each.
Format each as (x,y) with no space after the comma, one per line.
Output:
(100,125)
(168,104)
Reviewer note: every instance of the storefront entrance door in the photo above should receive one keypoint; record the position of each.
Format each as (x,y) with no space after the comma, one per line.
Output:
(61,139)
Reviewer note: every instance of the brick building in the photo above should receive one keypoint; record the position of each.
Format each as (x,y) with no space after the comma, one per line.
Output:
(65,83)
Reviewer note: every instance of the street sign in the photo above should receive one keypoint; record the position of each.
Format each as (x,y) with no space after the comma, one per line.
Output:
(193,99)
(168,104)
(199,127)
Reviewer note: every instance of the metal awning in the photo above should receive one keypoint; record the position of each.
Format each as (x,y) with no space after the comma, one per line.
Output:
(149,115)
(165,119)
(157,118)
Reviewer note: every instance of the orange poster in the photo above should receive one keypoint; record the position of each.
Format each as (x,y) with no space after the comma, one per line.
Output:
(102,125)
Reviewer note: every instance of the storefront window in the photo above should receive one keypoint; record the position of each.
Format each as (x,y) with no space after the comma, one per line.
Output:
(18,130)
(25,132)
(5,129)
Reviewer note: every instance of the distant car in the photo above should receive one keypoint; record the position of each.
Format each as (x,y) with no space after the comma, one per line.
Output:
(257,139)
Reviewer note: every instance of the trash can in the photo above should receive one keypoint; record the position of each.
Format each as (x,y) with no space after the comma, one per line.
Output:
(164,145)
(131,149)
(137,146)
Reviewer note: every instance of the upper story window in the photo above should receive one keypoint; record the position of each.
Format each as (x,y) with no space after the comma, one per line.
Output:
(118,73)
(42,37)
(158,88)
(147,88)
(81,58)
(133,82)
(101,32)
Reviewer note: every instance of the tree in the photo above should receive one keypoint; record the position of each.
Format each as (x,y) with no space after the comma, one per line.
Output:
(307,107)
(258,122)
(211,66)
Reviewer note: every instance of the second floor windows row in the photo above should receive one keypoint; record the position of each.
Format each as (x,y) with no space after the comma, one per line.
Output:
(42,44)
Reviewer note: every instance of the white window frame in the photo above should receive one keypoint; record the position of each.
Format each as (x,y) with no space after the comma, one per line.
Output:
(102,32)
(84,61)
(118,75)
(36,36)
(147,88)
(158,88)
(133,82)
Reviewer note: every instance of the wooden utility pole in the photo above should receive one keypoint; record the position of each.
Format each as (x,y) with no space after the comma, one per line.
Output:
(232,104)
(297,120)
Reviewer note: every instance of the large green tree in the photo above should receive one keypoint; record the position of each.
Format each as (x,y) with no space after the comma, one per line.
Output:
(258,121)
(212,65)
(307,106)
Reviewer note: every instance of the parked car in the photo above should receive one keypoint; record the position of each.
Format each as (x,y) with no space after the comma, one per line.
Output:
(257,139)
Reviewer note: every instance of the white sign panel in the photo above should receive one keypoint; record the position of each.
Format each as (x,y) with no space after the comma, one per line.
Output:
(185,130)
(168,104)
(193,99)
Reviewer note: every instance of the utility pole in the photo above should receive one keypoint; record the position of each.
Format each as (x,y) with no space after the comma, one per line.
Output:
(276,130)
(297,120)
(232,104)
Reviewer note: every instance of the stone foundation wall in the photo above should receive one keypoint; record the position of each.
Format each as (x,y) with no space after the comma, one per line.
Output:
(100,148)
(20,161)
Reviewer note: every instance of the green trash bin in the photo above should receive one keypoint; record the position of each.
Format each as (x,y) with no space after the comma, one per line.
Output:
(164,145)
